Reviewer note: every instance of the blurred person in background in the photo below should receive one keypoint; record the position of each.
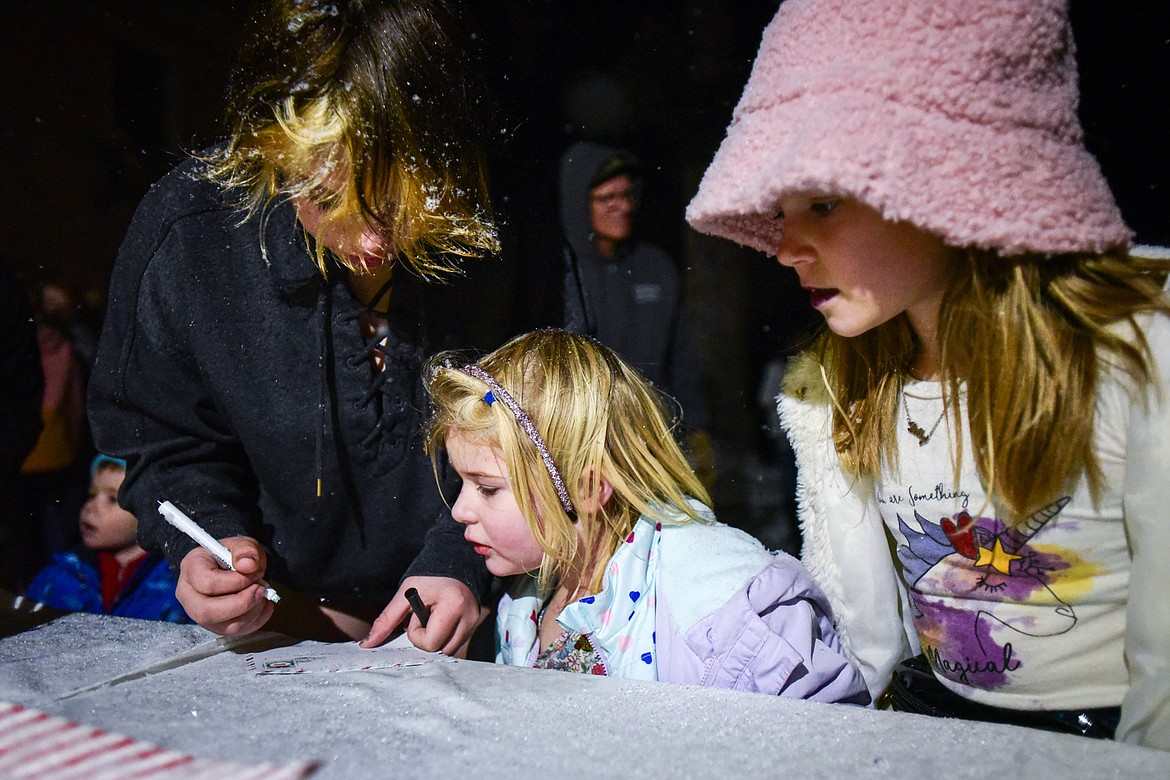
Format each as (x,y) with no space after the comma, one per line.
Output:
(625,291)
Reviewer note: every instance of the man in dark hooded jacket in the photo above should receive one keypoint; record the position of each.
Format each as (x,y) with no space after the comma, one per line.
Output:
(624,291)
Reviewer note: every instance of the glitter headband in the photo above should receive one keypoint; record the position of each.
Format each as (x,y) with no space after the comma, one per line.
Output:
(498,393)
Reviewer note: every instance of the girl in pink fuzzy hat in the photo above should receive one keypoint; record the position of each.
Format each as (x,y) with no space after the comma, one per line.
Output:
(981,428)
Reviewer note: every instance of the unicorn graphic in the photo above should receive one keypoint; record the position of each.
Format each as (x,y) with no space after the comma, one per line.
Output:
(963,561)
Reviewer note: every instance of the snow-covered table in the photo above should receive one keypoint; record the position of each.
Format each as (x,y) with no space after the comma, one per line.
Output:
(177,687)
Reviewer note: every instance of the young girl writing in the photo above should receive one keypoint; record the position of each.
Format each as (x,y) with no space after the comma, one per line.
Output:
(980,429)
(573,482)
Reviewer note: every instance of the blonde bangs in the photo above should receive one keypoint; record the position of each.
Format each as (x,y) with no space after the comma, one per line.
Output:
(429,216)
(459,407)
(598,418)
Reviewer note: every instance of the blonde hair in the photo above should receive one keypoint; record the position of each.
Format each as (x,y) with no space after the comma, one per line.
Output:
(1026,337)
(365,108)
(598,418)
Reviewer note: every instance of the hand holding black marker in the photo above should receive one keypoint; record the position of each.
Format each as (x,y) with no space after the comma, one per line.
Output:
(420,609)
(178,519)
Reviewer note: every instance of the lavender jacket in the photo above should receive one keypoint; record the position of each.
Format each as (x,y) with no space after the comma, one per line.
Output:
(699,603)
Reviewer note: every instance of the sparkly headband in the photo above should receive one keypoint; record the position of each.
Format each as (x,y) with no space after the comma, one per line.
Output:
(498,393)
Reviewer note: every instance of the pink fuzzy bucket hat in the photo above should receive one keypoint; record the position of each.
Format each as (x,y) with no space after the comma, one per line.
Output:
(957,116)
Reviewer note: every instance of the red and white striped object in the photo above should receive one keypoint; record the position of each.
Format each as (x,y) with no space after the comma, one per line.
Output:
(37,746)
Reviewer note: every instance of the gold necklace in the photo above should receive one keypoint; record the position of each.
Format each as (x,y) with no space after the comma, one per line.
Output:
(916,430)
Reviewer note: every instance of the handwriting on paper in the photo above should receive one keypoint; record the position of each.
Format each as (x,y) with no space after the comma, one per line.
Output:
(317,657)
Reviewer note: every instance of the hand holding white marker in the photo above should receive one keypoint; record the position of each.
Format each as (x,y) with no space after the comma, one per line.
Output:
(178,519)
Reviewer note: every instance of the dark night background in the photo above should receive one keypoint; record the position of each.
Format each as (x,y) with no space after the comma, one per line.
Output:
(100,98)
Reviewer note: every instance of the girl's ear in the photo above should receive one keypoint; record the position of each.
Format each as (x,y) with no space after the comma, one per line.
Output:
(596,491)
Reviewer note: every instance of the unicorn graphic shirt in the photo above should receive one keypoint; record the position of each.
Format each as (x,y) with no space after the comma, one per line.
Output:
(1028,615)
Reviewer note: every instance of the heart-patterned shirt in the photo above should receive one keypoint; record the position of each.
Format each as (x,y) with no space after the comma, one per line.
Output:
(619,621)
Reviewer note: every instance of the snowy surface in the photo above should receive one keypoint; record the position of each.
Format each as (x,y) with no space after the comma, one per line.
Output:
(182,688)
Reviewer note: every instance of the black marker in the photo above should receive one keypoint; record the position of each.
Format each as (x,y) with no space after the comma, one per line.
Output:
(416,604)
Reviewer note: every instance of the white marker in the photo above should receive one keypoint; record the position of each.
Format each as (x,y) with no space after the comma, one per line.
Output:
(175,517)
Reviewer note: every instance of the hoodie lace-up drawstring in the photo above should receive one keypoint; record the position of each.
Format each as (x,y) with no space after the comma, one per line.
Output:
(378,354)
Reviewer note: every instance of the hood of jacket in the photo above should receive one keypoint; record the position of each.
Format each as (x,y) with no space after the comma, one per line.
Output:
(584,165)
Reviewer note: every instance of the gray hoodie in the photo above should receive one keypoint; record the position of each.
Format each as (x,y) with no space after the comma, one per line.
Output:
(633,301)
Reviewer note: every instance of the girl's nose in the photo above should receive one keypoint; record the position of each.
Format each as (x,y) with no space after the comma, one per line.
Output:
(792,250)
(460,512)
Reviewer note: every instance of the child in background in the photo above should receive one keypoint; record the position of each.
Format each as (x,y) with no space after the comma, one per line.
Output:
(110,574)
(981,428)
(573,482)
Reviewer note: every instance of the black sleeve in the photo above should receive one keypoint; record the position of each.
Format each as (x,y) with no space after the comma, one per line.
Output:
(446,553)
(148,403)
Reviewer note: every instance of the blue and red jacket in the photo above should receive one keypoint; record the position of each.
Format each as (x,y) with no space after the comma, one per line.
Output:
(72,582)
